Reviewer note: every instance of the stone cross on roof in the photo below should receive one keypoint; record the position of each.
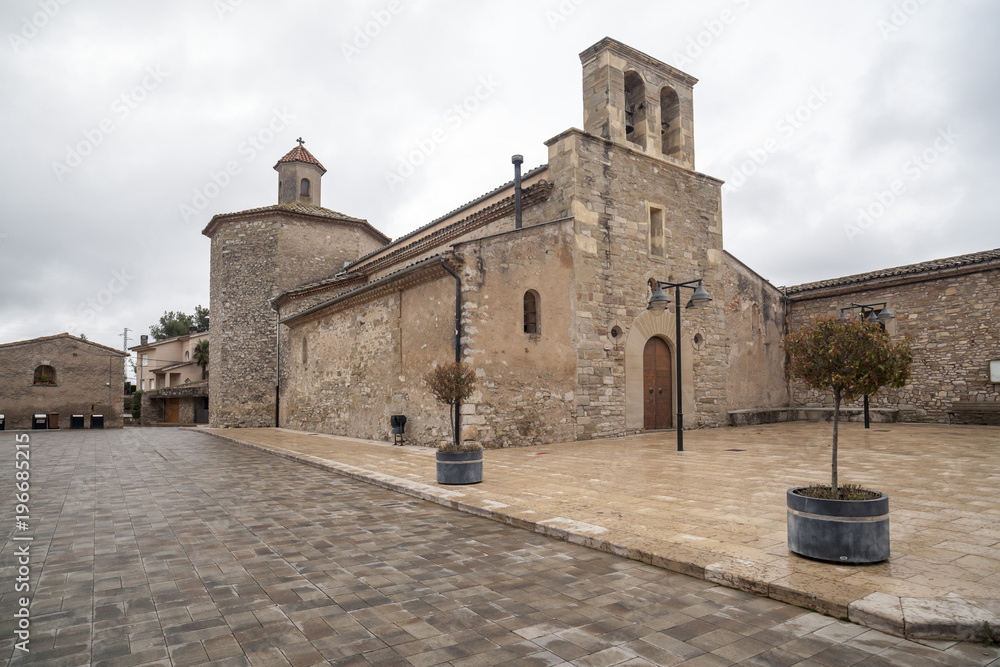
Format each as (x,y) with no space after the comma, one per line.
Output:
(300,141)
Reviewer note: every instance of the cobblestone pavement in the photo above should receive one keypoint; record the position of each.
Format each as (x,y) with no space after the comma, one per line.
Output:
(157,546)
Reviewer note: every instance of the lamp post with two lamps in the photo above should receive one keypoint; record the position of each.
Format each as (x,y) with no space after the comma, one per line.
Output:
(659,301)
(869,314)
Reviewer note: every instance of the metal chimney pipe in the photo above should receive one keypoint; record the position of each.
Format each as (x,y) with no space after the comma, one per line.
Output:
(517,160)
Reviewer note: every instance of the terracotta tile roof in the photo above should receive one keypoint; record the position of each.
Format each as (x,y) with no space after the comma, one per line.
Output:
(406,247)
(295,208)
(481,198)
(44,339)
(300,154)
(960,261)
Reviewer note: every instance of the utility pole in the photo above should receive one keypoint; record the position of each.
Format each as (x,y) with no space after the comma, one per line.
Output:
(124,335)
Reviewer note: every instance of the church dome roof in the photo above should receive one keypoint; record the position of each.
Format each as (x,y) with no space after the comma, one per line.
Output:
(300,154)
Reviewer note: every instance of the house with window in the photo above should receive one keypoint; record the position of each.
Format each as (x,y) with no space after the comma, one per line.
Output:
(61,381)
(174,384)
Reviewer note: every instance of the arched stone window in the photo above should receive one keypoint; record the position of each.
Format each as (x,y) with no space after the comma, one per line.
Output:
(304,188)
(635,108)
(670,122)
(45,375)
(532,314)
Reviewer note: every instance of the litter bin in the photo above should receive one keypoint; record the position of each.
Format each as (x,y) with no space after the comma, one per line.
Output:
(76,421)
(398,424)
(53,420)
(3,422)
(40,422)
(96,421)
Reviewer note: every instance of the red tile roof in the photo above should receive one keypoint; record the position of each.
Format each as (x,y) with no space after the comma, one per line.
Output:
(300,154)
(44,339)
(901,272)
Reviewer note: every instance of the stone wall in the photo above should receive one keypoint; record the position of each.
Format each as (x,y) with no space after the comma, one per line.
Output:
(351,365)
(952,319)
(755,326)
(609,190)
(254,258)
(82,374)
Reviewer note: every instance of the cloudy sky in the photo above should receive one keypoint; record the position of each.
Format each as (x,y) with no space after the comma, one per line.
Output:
(853,134)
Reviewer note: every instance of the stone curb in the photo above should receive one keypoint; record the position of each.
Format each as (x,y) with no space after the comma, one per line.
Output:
(951,619)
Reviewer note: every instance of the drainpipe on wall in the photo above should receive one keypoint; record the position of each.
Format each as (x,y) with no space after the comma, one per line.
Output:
(277,364)
(458,338)
(517,160)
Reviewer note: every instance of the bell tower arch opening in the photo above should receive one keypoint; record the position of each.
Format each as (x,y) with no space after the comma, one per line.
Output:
(635,108)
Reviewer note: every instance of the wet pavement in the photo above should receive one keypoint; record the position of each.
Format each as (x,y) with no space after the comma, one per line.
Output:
(161,546)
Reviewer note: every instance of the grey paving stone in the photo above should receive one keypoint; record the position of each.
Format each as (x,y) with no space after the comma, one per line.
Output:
(157,546)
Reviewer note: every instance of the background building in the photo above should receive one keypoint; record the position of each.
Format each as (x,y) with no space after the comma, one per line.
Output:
(174,385)
(61,376)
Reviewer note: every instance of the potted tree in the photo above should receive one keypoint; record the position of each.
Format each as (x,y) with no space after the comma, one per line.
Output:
(843,523)
(457,463)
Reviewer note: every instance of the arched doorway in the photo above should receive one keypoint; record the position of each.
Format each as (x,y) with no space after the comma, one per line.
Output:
(658,410)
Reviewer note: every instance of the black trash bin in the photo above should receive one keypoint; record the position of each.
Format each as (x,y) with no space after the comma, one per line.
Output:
(40,422)
(76,421)
(398,424)
(96,421)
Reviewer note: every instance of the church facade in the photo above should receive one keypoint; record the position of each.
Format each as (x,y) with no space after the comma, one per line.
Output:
(541,286)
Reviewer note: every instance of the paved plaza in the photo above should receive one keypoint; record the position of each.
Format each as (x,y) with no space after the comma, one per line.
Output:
(162,546)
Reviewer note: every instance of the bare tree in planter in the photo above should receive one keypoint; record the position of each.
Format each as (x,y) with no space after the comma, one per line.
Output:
(851,358)
(451,384)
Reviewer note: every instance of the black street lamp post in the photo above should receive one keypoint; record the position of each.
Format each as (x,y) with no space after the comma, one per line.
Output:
(868,314)
(659,301)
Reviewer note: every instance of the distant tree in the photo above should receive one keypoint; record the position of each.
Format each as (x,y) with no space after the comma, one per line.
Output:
(201,356)
(201,318)
(177,324)
(852,359)
(137,404)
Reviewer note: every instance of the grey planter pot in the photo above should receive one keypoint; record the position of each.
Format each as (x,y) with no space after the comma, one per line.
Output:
(459,468)
(838,531)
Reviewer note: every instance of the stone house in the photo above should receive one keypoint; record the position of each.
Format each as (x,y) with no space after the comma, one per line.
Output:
(175,388)
(61,376)
(169,362)
(541,285)
(951,309)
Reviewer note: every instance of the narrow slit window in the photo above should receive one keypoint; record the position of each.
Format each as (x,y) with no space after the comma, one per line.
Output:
(657,247)
(531,312)
(304,188)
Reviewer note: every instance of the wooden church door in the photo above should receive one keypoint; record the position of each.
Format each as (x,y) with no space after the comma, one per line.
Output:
(656,376)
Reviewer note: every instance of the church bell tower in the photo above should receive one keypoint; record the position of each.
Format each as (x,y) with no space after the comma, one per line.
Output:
(299,176)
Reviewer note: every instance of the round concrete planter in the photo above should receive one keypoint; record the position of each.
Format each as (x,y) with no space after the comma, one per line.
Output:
(460,467)
(839,531)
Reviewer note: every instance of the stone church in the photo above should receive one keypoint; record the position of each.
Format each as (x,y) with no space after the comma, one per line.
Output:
(322,323)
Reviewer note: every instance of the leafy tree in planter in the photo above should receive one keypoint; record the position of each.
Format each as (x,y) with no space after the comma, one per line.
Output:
(852,359)
(451,384)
